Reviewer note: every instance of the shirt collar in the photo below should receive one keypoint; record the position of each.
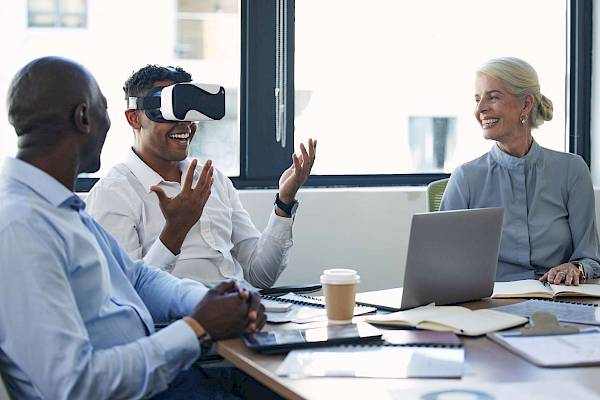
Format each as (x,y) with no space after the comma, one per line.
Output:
(40,182)
(146,175)
(509,161)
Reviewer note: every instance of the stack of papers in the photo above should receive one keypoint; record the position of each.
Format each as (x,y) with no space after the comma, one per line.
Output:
(375,362)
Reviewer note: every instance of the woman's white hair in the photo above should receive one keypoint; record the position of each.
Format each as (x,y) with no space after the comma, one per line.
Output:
(521,80)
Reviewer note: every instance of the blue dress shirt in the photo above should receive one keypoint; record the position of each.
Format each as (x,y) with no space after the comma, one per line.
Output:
(76,313)
(549,209)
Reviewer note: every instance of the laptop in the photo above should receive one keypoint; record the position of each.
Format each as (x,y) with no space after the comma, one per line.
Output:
(452,258)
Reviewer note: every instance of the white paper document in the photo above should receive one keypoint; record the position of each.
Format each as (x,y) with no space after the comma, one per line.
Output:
(375,362)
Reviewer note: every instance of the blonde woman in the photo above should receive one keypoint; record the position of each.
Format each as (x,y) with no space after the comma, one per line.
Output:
(549,229)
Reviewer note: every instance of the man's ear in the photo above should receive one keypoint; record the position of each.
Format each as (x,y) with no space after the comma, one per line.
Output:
(133,118)
(82,118)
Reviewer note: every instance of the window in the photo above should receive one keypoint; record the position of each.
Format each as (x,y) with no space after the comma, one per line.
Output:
(122,38)
(389,90)
(57,13)
(200,24)
(208,34)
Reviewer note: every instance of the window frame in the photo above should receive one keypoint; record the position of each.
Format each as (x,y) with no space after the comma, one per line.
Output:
(58,15)
(262,159)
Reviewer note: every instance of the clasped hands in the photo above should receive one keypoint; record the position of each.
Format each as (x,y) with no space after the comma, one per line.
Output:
(228,310)
(567,274)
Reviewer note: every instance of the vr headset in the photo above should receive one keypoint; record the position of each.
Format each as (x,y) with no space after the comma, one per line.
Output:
(186,101)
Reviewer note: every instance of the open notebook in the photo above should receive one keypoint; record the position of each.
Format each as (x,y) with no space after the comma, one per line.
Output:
(529,288)
(455,319)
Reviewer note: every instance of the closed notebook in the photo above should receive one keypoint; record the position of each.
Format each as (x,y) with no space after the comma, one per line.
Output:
(531,288)
(455,319)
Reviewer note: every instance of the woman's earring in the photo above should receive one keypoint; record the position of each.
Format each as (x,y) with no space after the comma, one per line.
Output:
(523,119)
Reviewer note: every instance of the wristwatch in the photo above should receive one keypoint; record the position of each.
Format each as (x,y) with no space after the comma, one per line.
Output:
(203,336)
(582,274)
(289,209)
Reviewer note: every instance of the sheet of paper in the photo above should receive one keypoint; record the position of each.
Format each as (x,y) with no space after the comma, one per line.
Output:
(527,288)
(375,362)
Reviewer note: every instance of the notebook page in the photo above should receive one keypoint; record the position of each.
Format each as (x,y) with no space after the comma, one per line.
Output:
(522,288)
(586,289)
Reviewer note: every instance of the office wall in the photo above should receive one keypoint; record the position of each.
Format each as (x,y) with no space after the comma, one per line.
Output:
(362,228)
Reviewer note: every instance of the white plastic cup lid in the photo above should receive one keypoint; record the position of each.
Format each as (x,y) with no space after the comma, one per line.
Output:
(339,276)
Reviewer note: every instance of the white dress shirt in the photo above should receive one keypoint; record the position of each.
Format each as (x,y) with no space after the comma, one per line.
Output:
(223,244)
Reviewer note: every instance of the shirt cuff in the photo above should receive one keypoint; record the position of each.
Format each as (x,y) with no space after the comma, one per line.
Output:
(179,343)
(589,270)
(279,227)
(160,256)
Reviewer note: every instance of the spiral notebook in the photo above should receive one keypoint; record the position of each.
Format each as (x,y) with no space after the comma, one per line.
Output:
(565,311)
(305,309)
(376,361)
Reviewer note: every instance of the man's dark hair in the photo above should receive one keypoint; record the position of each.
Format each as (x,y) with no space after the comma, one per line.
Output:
(143,80)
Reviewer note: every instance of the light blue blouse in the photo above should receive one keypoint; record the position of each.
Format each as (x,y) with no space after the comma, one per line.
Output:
(548,201)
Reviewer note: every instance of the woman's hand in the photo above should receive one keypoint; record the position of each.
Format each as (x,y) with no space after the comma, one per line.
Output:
(565,273)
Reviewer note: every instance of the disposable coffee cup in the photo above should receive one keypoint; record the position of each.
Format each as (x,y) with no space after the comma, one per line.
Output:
(339,287)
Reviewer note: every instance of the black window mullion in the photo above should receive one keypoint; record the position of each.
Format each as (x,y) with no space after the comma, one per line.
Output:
(263,158)
(580,78)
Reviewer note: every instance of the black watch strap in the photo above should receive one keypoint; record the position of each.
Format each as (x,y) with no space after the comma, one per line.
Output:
(287,208)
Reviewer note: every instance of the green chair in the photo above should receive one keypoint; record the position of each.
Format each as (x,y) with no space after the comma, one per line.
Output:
(435,191)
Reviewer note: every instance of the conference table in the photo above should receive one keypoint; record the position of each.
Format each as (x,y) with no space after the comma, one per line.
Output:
(486,363)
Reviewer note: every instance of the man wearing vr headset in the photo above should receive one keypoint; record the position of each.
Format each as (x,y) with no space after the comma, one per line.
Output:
(76,313)
(203,233)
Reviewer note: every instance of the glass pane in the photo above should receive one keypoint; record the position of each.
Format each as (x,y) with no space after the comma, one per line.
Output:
(197,6)
(72,6)
(228,6)
(73,21)
(41,20)
(390,89)
(112,60)
(217,139)
(41,6)
(190,39)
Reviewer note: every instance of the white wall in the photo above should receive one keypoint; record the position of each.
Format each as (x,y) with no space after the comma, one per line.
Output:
(363,228)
